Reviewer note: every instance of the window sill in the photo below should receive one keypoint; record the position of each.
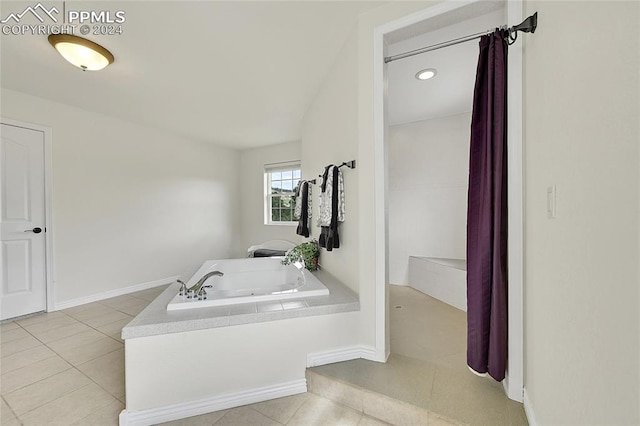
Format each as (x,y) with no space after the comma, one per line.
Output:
(282,224)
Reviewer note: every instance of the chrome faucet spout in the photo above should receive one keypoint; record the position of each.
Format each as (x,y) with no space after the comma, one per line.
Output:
(197,286)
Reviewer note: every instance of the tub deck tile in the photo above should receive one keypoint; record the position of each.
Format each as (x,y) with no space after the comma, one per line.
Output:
(156,320)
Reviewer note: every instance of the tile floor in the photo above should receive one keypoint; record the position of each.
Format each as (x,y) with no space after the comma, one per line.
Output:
(427,367)
(67,368)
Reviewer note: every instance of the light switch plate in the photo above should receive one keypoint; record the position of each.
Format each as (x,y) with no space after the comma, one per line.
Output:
(551,202)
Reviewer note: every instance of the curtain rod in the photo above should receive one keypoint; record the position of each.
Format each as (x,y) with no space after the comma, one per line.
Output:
(527,26)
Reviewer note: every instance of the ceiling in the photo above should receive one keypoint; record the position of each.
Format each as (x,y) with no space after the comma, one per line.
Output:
(239,74)
(451,91)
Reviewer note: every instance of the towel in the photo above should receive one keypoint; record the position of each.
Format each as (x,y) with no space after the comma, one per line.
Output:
(303,209)
(331,207)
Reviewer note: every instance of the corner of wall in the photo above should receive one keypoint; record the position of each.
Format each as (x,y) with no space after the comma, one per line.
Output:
(528,409)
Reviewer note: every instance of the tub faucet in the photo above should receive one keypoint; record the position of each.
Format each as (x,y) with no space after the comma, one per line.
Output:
(183,287)
(197,286)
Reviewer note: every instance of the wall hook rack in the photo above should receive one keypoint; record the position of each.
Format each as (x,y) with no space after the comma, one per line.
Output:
(350,164)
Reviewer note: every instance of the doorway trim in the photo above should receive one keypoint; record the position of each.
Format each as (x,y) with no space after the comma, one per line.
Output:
(514,381)
(48,198)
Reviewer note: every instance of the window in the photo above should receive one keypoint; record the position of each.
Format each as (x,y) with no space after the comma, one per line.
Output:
(281,181)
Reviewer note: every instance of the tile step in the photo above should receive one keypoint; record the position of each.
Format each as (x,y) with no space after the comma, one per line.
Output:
(373,404)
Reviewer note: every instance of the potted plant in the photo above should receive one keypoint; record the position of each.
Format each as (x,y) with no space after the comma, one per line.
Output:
(308,252)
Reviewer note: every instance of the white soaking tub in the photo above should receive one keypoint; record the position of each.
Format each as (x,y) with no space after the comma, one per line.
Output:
(251,280)
(442,278)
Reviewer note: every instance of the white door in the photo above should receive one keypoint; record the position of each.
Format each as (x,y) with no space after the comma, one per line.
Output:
(22,226)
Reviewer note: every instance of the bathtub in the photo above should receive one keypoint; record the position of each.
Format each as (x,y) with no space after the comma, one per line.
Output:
(251,280)
(442,278)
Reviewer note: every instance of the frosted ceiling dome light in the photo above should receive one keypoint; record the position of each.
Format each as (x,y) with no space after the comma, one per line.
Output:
(427,74)
(81,52)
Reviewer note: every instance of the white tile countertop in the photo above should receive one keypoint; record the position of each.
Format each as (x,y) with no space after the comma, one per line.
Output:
(156,320)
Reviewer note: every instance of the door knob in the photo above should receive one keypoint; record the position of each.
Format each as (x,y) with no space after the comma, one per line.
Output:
(34,230)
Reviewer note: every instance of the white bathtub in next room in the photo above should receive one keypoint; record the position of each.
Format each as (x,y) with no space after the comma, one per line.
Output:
(442,278)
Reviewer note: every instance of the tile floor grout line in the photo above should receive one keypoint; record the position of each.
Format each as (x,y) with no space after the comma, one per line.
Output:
(35,315)
(262,414)
(71,366)
(34,336)
(104,334)
(220,419)
(8,406)
(44,378)
(108,353)
(433,382)
(66,361)
(28,365)
(355,387)
(99,385)
(53,400)
(71,391)
(75,334)
(271,418)
(45,344)
(22,317)
(293,416)
(62,396)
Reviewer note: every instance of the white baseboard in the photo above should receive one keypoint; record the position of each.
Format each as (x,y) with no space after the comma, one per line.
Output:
(342,354)
(528,409)
(112,293)
(208,405)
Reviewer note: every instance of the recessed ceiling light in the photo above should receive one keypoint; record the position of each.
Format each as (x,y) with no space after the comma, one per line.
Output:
(81,52)
(426,74)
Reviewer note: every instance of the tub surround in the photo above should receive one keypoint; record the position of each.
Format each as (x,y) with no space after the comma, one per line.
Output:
(156,320)
(183,363)
(442,278)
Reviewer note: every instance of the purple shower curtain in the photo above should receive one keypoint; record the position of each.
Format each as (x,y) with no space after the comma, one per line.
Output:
(487,213)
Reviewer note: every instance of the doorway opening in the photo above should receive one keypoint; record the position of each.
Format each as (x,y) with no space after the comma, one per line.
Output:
(422,135)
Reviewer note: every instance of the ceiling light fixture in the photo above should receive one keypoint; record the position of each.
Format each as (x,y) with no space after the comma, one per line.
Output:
(81,52)
(427,74)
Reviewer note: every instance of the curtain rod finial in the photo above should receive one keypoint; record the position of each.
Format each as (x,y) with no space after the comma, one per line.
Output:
(529,25)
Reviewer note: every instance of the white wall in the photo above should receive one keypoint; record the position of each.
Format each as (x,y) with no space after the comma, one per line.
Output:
(252,162)
(130,204)
(582,99)
(330,136)
(428,181)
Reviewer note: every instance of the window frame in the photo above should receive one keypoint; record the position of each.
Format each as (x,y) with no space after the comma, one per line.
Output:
(267,201)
